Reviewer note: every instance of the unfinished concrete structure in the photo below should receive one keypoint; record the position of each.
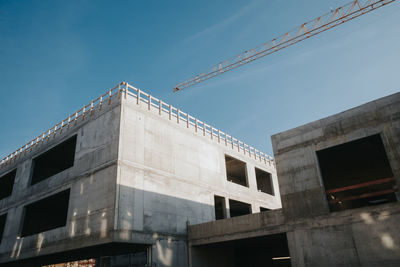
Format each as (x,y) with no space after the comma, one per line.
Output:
(119,181)
(338,180)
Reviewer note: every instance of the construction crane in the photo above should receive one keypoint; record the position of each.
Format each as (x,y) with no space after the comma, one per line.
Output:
(325,22)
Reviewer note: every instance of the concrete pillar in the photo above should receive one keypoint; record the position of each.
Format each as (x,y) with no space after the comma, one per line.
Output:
(228,210)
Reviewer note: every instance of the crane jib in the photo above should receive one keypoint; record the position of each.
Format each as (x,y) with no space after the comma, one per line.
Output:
(313,27)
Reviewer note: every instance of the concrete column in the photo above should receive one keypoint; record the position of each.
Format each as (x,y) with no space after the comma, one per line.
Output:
(251,176)
(227,207)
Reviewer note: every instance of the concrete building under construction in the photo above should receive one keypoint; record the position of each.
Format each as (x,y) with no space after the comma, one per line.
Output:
(118,182)
(129,180)
(338,180)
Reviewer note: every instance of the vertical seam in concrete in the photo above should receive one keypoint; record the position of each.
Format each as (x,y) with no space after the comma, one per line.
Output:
(117,180)
(355,247)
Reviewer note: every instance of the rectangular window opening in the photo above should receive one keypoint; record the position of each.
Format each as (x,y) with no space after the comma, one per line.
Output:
(262,209)
(357,174)
(237,208)
(7,184)
(220,208)
(264,182)
(57,159)
(236,171)
(3,219)
(46,214)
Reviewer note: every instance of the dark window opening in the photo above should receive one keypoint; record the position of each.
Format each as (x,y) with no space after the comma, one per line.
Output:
(236,171)
(267,250)
(46,214)
(2,225)
(220,208)
(7,184)
(238,208)
(357,174)
(264,182)
(57,159)
(262,209)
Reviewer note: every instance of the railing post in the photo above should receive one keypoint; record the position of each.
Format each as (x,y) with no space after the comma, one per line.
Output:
(126,90)
(187,120)
(212,132)
(83,113)
(149,103)
(195,125)
(170,112)
(160,107)
(91,107)
(177,115)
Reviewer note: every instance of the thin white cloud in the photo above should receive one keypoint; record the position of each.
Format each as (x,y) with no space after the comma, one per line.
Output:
(224,23)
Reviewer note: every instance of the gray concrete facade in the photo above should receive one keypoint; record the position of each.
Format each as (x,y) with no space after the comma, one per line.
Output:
(317,236)
(361,237)
(140,176)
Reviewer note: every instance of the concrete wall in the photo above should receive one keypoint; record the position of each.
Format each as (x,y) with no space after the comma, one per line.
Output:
(367,236)
(360,237)
(168,176)
(92,185)
(338,239)
(295,151)
(138,178)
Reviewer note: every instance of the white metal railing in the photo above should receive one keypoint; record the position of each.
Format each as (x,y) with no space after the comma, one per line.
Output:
(152,103)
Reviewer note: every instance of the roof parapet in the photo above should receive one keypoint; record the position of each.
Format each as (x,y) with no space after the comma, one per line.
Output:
(152,102)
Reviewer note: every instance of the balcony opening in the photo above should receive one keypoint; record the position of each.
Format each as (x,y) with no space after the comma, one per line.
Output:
(3,219)
(267,250)
(264,182)
(238,208)
(57,159)
(357,174)
(7,184)
(46,214)
(220,208)
(236,171)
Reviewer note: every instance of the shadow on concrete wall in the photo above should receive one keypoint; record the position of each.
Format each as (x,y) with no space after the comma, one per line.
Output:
(142,219)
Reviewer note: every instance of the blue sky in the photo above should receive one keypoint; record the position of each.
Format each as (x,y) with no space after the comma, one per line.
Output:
(58,55)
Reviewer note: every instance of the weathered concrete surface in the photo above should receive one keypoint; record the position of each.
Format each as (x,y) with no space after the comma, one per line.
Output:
(90,219)
(138,178)
(362,237)
(367,236)
(168,176)
(246,226)
(295,151)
